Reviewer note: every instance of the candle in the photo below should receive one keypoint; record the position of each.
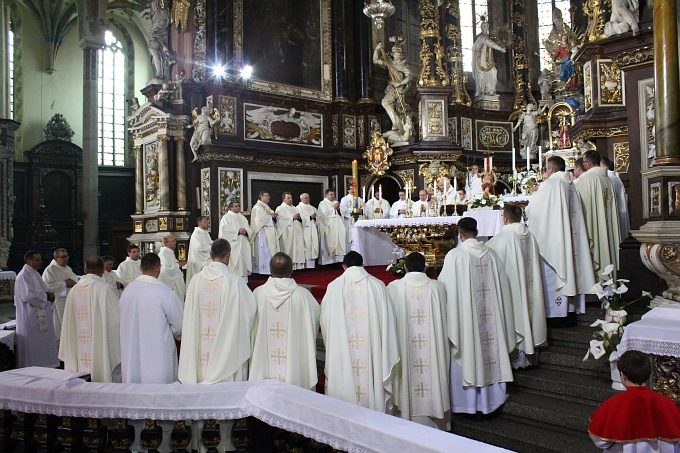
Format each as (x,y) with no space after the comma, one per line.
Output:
(363,193)
(372,191)
(488,164)
(540,161)
(514,163)
(379,191)
(434,184)
(355,177)
(455,189)
(528,159)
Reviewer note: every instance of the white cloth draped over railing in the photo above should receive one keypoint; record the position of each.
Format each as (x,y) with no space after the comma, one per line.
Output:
(339,424)
(656,333)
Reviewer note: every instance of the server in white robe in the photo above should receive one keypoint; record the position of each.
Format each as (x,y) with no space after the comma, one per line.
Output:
(421,379)
(358,328)
(90,336)
(110,276)
(235,229)
(289,231)
(60,279)
(600,213)
(199,248)
(421,208)
(285,329)
(309,230)
(128,270)
(150,322)
(480,324)
(36,341)
(216,330)
(263,241)
(473,184)
(556,221)
(400,207)
(171,268)
(377,208)
(347,205)
(621,198)
(518,251)
(332,234)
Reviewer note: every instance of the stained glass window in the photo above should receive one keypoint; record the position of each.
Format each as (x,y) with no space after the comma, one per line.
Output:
(471,12)
(545,23)
(10,75)
(111,114)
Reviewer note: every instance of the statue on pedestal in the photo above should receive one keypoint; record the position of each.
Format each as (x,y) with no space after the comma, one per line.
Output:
(529,122)
(483,66)
(202,125)
(161,57)
(624,18)
(560,29)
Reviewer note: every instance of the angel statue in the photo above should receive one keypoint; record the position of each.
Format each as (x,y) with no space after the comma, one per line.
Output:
(202,124)
(529,121)
(624,18)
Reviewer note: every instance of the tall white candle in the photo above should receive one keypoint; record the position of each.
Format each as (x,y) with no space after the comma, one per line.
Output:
(380,191)
(540,161)
(434,184)
(514,163)
(372,191)
(363,193)
(528,159)
(455,189)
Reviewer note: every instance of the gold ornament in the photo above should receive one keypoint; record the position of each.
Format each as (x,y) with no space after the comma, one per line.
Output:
(180,14)
(377,155)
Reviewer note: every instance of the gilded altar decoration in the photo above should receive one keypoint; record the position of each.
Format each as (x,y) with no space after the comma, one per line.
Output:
(432,71)
(199,71)
(466,133)
(378,11)
(277,124)
(436,169)
(229,181)
(227,115)
(621,157)
(454,54)
(666,376)
(407,177)
(588,85)
(349,123)
(57,128)
(453,130)
(180,14)
(151,176)
(494,136)
(595,12)
(634,58)
(204,192)
(435,117)
(611,84)
(377,155)
(561,117)
(434,241)
(361,131)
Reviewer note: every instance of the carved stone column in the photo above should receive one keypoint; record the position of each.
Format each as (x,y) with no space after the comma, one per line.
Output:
(454,55)
(139,179)
(163,173)
(340,32)
(181,175)
(7,130)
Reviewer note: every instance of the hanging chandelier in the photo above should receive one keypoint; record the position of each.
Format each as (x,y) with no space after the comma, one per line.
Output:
(378,11)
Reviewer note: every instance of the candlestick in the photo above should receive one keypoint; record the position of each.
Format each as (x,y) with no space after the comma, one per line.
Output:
(434,185)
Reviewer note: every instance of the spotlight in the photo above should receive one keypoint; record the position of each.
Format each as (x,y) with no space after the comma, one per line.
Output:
(219,71)
(247,71)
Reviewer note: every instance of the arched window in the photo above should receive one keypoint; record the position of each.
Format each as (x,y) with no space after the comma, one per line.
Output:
(111,114)
(471,12)
(10,69)
(545,24)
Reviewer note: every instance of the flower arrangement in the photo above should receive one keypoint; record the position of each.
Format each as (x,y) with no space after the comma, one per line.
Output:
(525,178)
(606,340)
(397,267)
(484,201)
(611,292)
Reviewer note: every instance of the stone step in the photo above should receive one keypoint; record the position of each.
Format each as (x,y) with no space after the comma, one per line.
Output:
(563,385)
(521,437)
(577,337)
(570,359)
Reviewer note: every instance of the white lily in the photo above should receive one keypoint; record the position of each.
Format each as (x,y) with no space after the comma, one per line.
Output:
(647,294)
(610,327)
(621,289)
(609,282)
(596,349)
(606,304)
(623,280)
(607,270)
(599,322)
(598,290)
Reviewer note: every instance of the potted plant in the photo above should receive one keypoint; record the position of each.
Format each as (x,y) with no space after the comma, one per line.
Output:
(604,343)
(611,294)
(484,201)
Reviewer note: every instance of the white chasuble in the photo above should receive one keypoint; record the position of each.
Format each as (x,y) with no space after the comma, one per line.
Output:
(420,346)
(55,276)
(241,258)
(356,319)
(81,304)
(210,309)
(332,235)
(310,232)
(290,236)
(264,242)
(277,341)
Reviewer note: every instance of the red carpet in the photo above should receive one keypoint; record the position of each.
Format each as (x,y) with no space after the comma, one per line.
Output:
(321,277)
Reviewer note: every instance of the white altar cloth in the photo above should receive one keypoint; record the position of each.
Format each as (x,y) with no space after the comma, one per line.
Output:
(7,337)
(342,425)
(652,335)
(8,275)
(377,248)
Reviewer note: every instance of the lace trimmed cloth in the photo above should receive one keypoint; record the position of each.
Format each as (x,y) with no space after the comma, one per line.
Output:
(652,335)
(339,424)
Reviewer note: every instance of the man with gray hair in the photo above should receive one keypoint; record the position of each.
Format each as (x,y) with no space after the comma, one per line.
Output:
(60,279)
(171,272)
(310,232)
(263,240)
(235,229)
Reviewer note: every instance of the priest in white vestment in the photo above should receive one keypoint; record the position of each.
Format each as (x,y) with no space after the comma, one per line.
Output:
(199,248)
(289,231)
(400,207)
(600,213)
(359,332)
(285,329)
(621,198)
(216,331)
(128,270)
(36,341)
(421,208)
(347,205)
(377,208)
(150,322)
(331,230)
(518,251)
(235,229)
(171,268)
(264,242)
(90,336)
(473,184)
(447,195)
(110,276)
(309,230)
(556,221)
(60,279)
(481,326)
(421,379)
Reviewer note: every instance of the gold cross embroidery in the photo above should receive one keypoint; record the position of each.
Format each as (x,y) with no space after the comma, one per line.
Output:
(356,314)
(83,337)
(86,360)
(209,334)
(418,316)
(358,367)
(481,265)
(486,339)
(415,292)
(421,390)
(278,330)
(606,197)
(484,315)
(483,290)
(419,341)
(205,358)
(355,289)
(360,393)
(356,342)
(82,313)
(279,356)
(209,309)
(210,286)
(421,366)
(488,364)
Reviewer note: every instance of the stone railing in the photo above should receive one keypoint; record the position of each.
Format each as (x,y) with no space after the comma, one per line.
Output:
(49,410)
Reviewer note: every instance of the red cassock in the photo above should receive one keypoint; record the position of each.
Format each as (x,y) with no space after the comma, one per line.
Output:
(635,415)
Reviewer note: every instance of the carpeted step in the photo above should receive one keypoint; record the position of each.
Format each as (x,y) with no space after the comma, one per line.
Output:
(521,437)
(570,359)
(576,337)
(566,386)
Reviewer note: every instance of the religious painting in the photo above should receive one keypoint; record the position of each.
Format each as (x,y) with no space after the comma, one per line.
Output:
(361,132)
(612,87)
(204,198)
(373,124)
(466,133)
(494,136)
(349,131)
(227,109)
(151,194)
(230,183)
(282,125)
(655,199)
(674,198)
(348,182)
(288,44)
(453,131)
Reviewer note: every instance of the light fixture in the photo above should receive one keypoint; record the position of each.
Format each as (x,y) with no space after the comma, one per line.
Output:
(378,11)
(219,71)
(247,71)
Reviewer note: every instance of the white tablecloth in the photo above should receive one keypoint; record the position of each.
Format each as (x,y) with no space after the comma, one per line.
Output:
(652,335)
(7,338)
(8,275)
(670,311)
(342,425)
(377,248)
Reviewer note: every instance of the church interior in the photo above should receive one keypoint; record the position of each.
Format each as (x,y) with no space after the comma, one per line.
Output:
(123,121)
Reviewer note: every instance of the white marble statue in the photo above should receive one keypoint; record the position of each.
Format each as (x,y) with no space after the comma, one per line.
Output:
(401,79)
(624,18)
(161,56)
(483,66)
(529,122)
(651,126)
(545,84)
(405,136)
(202,125)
